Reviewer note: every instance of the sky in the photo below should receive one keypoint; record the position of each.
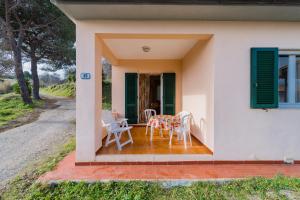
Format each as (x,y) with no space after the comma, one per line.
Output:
(26,67)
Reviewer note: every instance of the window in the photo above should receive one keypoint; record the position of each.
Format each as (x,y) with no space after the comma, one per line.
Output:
(275,78)
(283,78)
(289,80)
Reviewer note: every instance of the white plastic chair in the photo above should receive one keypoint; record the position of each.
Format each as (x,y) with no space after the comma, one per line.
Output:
(183,130)
(116,127)
(148,114)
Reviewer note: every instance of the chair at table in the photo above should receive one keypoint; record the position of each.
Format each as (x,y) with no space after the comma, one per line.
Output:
(182,128)
(116,127)
(148,114)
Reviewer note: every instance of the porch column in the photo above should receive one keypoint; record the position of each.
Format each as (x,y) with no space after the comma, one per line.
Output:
(88,95)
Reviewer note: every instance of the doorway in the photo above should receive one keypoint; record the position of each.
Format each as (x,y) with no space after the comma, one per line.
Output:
(149,94)
(144,91)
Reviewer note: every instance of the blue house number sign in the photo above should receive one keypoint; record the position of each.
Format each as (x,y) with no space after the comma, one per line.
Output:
(85,76)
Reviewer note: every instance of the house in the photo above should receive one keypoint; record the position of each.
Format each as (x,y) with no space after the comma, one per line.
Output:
(233,64)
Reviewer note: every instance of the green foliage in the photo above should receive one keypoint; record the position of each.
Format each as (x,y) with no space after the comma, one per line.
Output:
(69,90)
(27,75)
(106,95)
(12,107)
(258,188)
(51,36)
(72,78)
(62,90)
(16,87)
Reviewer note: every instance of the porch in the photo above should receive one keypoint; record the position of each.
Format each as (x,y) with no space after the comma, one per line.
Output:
(157,71)
(159,145)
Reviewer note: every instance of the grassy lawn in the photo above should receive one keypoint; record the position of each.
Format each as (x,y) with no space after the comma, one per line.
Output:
(61,90)
(255,188)
(69,90)
(12,107)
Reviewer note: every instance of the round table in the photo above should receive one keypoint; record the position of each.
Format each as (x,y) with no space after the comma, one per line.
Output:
(166,122)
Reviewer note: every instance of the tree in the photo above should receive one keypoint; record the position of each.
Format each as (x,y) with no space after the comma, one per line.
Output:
(39,30)
(15,19)
(6,60)
(52,43)
(70,74)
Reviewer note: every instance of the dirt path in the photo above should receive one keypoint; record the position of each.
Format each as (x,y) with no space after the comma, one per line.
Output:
(24,145)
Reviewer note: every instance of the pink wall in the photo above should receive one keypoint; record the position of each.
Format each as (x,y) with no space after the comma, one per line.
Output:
(141,66)
(240,133)
(197,90)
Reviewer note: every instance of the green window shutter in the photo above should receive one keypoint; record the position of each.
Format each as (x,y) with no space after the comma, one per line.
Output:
(131,97)
(169,89)
(264,78)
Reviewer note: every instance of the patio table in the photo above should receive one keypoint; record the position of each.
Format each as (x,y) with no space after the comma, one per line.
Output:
(163,122)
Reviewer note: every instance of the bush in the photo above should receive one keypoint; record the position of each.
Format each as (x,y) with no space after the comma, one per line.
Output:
(16,87)
(72,78)
(63,90)
(5,87)
(106,95)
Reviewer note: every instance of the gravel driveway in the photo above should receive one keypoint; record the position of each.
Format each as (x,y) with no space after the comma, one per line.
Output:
(26,144)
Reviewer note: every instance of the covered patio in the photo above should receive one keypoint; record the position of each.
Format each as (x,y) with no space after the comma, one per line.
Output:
(156,71)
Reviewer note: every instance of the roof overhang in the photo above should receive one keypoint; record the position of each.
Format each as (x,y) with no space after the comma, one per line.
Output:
(226,10)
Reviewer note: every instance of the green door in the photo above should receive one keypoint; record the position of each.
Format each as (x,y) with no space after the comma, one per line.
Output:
(169,93)
(131,97)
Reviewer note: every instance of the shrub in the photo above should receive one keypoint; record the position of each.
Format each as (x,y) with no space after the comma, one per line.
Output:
(63,90)
(16,87)
(5,87)
(72,78)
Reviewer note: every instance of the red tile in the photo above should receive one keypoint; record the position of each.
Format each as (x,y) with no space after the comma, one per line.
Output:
(66,170)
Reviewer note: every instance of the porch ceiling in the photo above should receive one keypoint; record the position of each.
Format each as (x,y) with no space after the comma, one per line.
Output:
(161,47)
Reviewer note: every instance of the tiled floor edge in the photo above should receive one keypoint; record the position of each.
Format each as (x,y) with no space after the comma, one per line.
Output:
(186,162)
(184,181)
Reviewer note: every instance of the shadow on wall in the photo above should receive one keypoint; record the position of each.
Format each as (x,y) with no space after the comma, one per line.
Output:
(199,130)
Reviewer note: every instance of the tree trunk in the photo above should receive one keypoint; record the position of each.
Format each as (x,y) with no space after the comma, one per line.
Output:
(35,77)
(20,77)
(16,45)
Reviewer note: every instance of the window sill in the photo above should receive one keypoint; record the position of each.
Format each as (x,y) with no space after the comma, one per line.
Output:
(289,105)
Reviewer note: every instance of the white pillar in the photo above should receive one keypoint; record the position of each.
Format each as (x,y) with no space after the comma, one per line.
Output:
(88,95)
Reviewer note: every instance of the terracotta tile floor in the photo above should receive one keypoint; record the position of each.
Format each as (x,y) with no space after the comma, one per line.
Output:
(159,145)
(66,170)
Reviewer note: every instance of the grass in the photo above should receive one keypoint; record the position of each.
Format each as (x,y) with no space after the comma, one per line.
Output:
(69,90)
(24,185)
(256,188)
(61,90)
(12,107)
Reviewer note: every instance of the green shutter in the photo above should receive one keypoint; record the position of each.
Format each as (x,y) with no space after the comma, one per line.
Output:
(131,97)
(169,88)
(264,78)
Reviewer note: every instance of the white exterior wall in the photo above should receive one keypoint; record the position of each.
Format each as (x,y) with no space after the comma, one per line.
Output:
(240,133)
